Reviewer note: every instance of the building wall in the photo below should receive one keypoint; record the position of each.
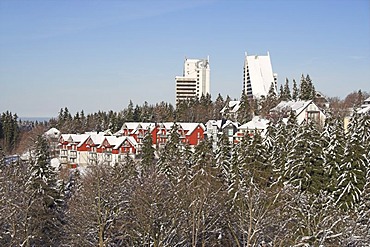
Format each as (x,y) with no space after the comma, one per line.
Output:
(258,76)
(195,80)
(196,136)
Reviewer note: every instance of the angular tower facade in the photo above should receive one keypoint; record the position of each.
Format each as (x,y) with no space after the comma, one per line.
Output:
(195,80)
(258,76)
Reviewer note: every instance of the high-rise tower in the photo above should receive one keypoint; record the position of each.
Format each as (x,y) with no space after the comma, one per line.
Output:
(258,76)
(195,81)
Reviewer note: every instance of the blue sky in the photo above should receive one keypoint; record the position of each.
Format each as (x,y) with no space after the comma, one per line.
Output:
(97,55)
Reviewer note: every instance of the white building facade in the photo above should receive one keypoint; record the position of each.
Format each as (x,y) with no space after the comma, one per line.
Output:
(195,80)
(258,76)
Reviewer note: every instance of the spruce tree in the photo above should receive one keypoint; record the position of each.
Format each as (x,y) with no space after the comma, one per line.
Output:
(287,94)
(333,150)
(45,199)
(352,178)
(279,149)
(281,93)
(304,89)
(171,156)
(223,155)
(244,112)
(256,163)
(304,168)
(147,154)
(295,93)
(218,105)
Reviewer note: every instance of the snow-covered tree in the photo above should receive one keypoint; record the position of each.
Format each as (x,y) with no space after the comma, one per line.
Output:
(148,150)
(352,178)
(171,154)
(45,198)
(304,168)
(13,204)
(255,163)
(223,155)
(317,221)
(98,210)
(333,150)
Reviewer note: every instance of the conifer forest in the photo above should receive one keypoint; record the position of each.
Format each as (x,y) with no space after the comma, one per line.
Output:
(298,185)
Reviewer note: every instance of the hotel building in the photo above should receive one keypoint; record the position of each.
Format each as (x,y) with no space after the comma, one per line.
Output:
(195,80)
(258,76)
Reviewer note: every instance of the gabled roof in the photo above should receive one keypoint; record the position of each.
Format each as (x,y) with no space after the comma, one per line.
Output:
(65,137)
(190,127)
(78,138)
(221,124)
(130,125)
(144,126)
(255,123)
(232,106)
(97,138)
(123,139)
(117,142)
(296,106)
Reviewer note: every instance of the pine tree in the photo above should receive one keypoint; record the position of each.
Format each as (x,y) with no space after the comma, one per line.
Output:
(283,138)
(223,155)
(171,155)
(244,112)
(255,162)
(129,112)
(218,105)
(304,89)
(281,93)
(333,150)
(287,94)
(45,199)
(269,102)
(310,87)
(295,93)
(304,168)
(2,156)
(352,178)
(147,160)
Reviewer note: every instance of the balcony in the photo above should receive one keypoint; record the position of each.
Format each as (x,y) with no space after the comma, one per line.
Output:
(72,154)
(92,155)
(63,153)
(108,157)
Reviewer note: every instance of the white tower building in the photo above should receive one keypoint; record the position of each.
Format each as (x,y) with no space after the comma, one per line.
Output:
(258,76)
(195,81)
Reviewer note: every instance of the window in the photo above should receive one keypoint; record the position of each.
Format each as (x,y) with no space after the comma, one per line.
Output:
(230,132)
(313,116)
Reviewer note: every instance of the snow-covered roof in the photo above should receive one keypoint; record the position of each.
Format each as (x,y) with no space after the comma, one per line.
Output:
(220,124)
(78,138)
(130,125)
(168,125)
(118,141)
(296,106)
(97,138)
(52,133)
(364,109)
(65,137)
(123,139)
(256,123)
(151,126)
(232,106)
(144,126)
(190,127)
